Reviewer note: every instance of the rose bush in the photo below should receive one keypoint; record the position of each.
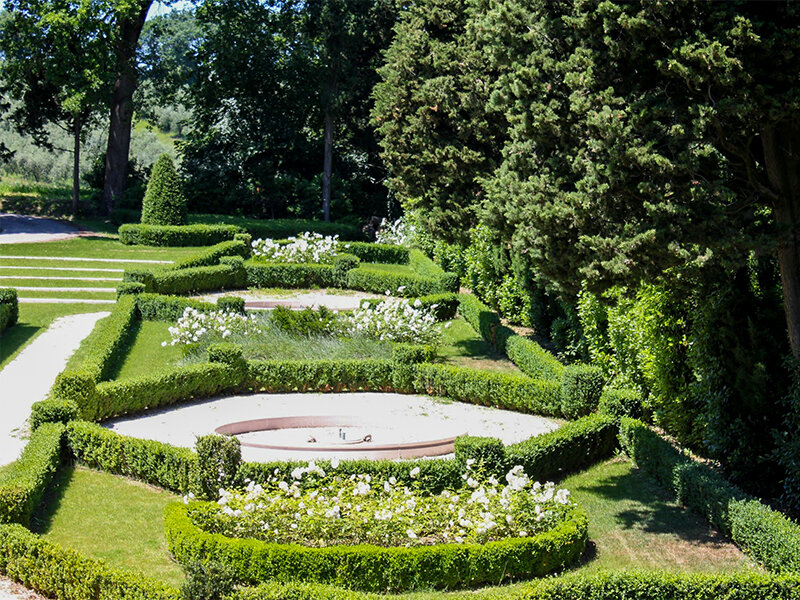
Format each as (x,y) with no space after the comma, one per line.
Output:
(394,320)
(305,248)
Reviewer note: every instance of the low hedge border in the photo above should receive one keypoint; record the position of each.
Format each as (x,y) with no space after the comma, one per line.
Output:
(278,229)
(581,386)
(373,568)
(210,257)
(379,253)
(63,574)
(229,274)
(9,308)
(23,482)
(400,284)
(176,235)
(771,538)
(625,585)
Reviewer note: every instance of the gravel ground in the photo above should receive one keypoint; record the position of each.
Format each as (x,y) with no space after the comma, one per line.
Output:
(412,418)
(28,378)
(15,229)
(10,590)
(334,301)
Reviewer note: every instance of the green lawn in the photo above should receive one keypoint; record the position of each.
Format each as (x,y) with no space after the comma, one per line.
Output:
(634,525)
(388,268)
(33,320)
(462,346)
(111,518)
(145,352)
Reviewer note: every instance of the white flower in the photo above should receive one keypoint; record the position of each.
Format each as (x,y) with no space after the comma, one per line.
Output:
(414,472)
(410,533)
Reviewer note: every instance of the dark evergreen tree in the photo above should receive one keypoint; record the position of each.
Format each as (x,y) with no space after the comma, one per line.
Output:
(164,202)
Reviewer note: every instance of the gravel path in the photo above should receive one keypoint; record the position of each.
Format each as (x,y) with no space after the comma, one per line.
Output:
(28,378)
(15,229)
(315,299)
(410,418)
(10,590)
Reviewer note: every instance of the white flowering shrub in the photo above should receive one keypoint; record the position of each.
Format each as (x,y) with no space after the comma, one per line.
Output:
(359,509)
(401,232)
(305,248)
(196,328)
(394,320)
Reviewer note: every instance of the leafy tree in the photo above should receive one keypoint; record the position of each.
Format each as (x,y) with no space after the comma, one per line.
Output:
(437,136)
(164,202)
(56,68)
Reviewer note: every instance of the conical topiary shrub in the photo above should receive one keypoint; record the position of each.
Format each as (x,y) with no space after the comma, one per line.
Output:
(164,202)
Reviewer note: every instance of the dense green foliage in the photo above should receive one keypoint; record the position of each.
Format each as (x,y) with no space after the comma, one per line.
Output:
(176,235)
(24,481)
(374,568)
(164,202)
(9,308)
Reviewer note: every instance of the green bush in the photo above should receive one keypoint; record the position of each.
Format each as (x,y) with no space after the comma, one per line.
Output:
(155,463)
(405,358)
(286,275)
(320,375)
(233,304)
(446,304)
(571,586)
(765,534)
(115,398)
(374,568)
(78,388)
(105,345)
(217,464)
(581,387)
(532,359)
(570,448)
(164,202)
(306,322)
(379,253)
(342,265)
(208,581)
(228,275)
(176,235)
(621,402)
(157,307)
(64,574)
(211,256)
(279,229)
(489,388)
(488,453)
(482,318)
(23,482)
(9,308)
(52,410)
(130,288)
(378,282)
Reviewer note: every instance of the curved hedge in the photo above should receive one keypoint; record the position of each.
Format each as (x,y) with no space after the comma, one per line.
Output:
(176,235)
(9,308)
(373,568)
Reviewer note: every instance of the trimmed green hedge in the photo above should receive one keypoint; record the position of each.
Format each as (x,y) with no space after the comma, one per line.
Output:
(490,388)
(63,574)
(158,307)
(228,275)
(23,482)
(532,359)
(105,345)
(379,282)
(572,447)
(52,410)
(9,308)
(278,229)
(765,534)
(320,375)
(482,318)
(374,568)
(379,253)
(176,235)
(288,275)
(572,586)
(155,463)
(210,257)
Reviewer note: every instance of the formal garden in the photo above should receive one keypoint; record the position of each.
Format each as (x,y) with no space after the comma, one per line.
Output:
(359,299)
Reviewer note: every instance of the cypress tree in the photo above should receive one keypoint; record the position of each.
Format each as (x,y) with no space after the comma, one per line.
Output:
(164,202)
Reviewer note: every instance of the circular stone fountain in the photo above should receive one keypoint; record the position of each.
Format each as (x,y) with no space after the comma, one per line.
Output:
(366,438)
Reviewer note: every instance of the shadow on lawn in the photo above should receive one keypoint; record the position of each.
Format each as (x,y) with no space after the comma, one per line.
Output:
(15,338)
(42,519)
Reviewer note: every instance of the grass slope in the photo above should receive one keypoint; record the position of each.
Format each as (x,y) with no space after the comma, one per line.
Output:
(109,517)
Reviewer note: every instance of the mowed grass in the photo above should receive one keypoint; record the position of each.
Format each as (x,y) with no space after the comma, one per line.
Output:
(33,320)
(634,525)
(388,268)
(464,347)
(145,353)
(112,518)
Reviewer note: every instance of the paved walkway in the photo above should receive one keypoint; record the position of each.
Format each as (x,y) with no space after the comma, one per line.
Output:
(28,378)
(15,229)
(258,300)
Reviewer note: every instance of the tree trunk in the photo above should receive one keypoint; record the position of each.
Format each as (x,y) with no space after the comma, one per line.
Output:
(76,165)
(781,144)
(119,130)
(327,166)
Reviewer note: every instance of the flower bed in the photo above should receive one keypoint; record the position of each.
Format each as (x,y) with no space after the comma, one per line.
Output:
(304,248)
(361,509)
(370,534)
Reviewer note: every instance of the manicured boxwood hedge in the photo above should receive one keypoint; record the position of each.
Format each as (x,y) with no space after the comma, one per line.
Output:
(532,359)
(379,253)
(577,586)
(9,308)
(23,482)
(400,284)
(160,307)
(176,235)
(287,275)
(155,463)
(210,256)
(63,574)
(319,375)
(279,229)
(490,388)
(230,274)
(373,568)
(768,536)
